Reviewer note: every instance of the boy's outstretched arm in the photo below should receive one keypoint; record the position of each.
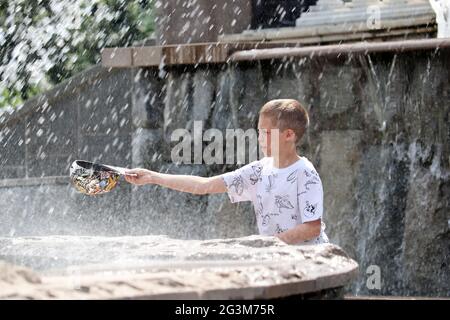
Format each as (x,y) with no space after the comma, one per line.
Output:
(185,183)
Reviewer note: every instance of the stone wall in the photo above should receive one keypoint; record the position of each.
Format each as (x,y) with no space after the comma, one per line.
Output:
(200,21)
(87,117)
(380,139)
(76,119)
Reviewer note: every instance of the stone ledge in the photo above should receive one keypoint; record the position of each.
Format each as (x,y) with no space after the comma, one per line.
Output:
(339,49)
(69,86)
(222,52)
(158,267)
(25,182)
(343,31)
(206,53)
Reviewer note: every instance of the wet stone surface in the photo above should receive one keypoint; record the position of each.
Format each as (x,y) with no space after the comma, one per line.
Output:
(160,267)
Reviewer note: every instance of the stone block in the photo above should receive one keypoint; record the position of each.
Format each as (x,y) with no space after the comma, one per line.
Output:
(148,96)
(340,155)
(177,102)
(338,89)
(204,85)
(105,106)
(117,57)
(427,117)
(248,94)
(148,149)
(113,149)
(381,193)
(202,21)
(222,115)
(52,130)
(12,172)
(384,83)
(292,80)
(48,165)
(424,256)
(12,156)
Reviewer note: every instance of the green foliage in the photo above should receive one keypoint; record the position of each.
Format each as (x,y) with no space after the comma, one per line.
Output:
(13,97)
(105,23)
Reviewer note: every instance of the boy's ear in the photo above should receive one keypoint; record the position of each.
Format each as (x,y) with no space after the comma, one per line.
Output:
(290,134)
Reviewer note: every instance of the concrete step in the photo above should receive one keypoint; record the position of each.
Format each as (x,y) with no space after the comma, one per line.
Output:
(359,10)
(320,5)
(415,20)
(365,3)
(318,8)
(355,35)
(385,3)
(347,21)
(325,2)
(362,15)
(338,31)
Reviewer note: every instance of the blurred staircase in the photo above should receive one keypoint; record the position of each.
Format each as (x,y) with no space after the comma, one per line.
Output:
(338,12)
(335,21)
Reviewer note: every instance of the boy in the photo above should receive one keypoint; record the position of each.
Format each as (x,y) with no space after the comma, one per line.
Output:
(284,187)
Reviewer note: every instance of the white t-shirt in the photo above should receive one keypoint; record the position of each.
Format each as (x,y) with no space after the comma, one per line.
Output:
(282,198)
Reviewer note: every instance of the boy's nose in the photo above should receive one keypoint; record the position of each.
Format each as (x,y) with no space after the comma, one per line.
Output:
(260,140)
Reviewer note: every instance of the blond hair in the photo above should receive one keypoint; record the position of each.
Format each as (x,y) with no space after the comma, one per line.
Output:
(287,114)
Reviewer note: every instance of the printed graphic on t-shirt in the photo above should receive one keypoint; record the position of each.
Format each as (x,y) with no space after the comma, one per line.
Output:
(310,209)
(238,185)
(282,198)
(255,177)
(271,181)
(292,177)
(283,202)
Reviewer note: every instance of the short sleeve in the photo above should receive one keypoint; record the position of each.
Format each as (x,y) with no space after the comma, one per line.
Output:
(310,195)
(241,183)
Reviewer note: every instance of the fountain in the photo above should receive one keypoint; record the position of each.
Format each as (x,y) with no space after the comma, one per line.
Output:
(379,137)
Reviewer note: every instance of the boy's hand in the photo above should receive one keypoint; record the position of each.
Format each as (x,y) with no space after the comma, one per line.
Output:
(139,176)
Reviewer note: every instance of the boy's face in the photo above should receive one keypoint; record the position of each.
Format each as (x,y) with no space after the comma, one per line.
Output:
(271,139)
(266,133)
